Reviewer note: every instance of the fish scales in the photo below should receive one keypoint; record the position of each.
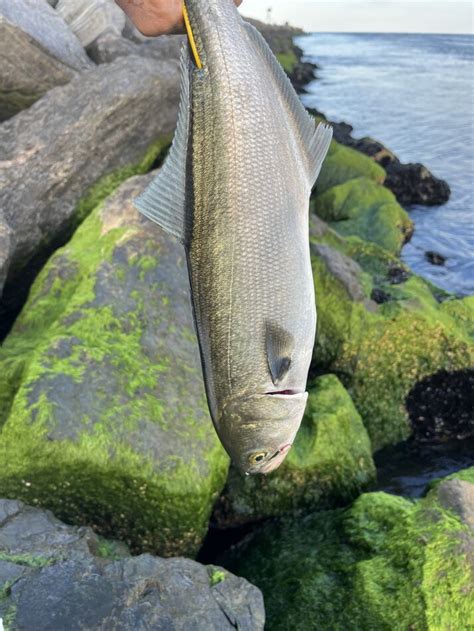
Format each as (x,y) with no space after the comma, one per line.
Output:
(248,184)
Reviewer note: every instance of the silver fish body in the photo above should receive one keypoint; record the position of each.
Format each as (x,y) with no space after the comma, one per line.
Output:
(235,189)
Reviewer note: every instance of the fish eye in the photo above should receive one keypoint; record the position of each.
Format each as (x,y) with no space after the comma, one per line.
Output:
(256,458)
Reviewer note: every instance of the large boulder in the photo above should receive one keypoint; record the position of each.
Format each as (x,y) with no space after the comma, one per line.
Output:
(410,183)
(42,23)
(385,563)
(343,164)
(27,70)
(384,330)
(110,46)
(329,464)
(74,144)
(54,576)
(89,19)
(103,414)
(366,209)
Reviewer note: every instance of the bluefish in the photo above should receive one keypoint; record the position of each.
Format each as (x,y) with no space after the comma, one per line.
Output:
(235,191)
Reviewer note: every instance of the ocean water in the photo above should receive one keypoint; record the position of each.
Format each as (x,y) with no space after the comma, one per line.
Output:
(414,93)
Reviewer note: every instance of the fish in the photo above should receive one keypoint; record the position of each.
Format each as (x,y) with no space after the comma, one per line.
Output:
(234,190)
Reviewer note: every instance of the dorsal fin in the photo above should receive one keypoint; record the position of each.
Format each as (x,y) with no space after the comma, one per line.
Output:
(164,200)
(316,139)
(279,345)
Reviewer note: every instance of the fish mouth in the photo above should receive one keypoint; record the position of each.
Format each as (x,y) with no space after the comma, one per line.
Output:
(276,460)
(290,392)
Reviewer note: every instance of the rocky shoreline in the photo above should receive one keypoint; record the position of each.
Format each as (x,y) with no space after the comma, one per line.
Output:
(103,418)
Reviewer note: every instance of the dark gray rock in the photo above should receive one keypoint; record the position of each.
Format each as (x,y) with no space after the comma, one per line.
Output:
(89,19)
(435,258)
(27,70)
(40,21)
(110,46)
(103,120)
(66,578)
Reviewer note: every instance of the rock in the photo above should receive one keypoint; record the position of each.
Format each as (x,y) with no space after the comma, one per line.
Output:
(27,70)
(5,247)
(102,404)
(458,496)
(89,583)
(434,258)
(410,183)
(89,19)
(72,146)
(440,406)
(343,164)
(43,24)
(415,184)
(329,464)
(109,47)
(366,209)
(384,563)
(382,351)
(380,296)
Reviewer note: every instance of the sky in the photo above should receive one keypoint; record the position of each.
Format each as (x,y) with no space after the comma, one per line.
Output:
(400,16)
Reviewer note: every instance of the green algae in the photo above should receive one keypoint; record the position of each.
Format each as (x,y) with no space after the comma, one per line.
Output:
(85,466)
(385,563)
(288,60)
(363,208)
(382,352)
(329,464)
(216,575)
(343,164)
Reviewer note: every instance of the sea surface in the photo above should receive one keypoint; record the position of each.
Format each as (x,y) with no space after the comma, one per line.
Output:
(414,93)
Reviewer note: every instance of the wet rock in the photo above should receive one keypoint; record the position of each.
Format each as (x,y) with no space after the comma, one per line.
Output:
(415,184)
(89,19)
(380,296)
(93,584)
(43,24)
(103,409)
(410,183)
(382,351)
(434,258)
(397,274)
(76,142)
(27,70)
(440,406)
(411,564)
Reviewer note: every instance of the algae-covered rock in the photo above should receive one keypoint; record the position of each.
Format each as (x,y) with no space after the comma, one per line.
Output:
(76,143)
(385,564)
(363,208)
(54,576)
(342,164)
(382,351)
(102,404)
(330,463)
(27,70)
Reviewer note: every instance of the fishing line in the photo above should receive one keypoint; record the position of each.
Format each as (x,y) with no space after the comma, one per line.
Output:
(192,41)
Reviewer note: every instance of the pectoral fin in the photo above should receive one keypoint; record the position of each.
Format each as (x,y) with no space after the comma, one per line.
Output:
(164,201)
(279,346)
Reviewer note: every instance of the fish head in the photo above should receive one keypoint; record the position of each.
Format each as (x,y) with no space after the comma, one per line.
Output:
(258,430)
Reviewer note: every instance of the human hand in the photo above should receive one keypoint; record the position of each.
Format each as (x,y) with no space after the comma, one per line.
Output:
(156,17)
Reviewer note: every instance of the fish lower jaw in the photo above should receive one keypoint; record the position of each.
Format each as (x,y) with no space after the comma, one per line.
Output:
(289,392)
